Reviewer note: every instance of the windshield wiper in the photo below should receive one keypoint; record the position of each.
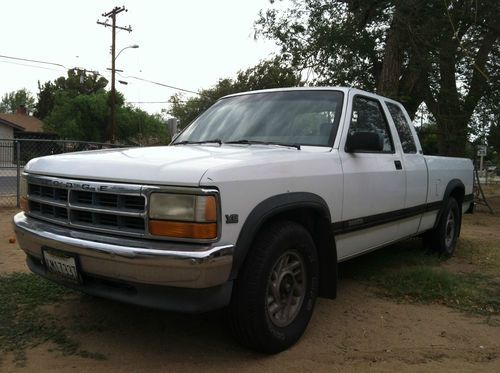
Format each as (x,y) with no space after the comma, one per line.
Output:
(187,142)
(250,142)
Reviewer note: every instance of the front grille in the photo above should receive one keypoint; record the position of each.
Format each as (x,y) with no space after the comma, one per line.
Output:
(122,210)
(58,194)
(48,210)
(106,200)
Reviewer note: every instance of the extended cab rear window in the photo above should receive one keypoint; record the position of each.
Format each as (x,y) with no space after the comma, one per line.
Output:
(403,128)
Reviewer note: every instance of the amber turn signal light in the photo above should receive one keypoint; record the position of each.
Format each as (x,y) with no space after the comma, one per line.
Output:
(210,209)
(23,204)
(178,229)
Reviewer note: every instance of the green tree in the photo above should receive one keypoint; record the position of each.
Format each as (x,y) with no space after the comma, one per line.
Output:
(12,100)
(78,107)
(77,82)
(428,136)
(489,117)
(81,117)
(136,126)
(85,117)
(443,53)
(266,74)
(46,97)
(494,142)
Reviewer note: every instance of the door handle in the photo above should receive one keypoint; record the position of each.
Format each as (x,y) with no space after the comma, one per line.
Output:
(398,165)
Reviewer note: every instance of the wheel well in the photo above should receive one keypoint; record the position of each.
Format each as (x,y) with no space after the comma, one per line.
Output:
(319,227)
(458,193)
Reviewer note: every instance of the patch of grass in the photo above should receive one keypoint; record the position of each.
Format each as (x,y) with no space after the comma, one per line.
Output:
(471,292)
(487,258)
(423,284)
(407,273)
(23,324)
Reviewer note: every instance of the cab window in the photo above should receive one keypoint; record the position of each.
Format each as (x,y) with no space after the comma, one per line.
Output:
(367,116)
(403,128)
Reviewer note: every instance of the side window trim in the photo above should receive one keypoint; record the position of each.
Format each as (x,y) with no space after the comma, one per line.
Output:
(384,118)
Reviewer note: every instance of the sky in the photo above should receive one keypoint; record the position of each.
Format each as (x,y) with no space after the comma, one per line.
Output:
(189,44)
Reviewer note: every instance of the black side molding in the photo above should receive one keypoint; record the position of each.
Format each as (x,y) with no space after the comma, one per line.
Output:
(365,222)
(384,218)
(470,198)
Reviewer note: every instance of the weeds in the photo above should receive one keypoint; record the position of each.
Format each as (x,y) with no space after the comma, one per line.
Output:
(406,272)
(23,324)
(470,292)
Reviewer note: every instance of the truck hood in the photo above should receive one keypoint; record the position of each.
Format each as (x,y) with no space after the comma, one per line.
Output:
(166,165)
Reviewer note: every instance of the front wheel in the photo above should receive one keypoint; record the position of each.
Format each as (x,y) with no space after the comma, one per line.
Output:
(276,290)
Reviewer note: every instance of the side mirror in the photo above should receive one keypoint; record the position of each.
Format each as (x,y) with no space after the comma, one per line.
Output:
(364,142)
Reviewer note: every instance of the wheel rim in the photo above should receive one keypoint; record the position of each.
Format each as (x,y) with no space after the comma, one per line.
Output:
(286,289)
(449,229)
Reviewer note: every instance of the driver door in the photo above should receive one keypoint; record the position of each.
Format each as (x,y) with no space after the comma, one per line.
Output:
(374,182)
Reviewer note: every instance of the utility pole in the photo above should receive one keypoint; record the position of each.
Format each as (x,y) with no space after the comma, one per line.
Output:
(112,15)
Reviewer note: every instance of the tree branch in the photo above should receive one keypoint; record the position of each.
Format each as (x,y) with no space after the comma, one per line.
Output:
(480,79)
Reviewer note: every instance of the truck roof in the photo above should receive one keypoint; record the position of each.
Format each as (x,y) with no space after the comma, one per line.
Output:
(342,89)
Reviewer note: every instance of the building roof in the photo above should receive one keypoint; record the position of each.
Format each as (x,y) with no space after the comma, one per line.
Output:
(22,122)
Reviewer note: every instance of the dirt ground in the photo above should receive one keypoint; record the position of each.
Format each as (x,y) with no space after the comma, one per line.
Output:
(11,258)
(356,332)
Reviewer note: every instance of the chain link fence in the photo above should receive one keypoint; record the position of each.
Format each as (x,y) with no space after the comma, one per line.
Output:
(15,153)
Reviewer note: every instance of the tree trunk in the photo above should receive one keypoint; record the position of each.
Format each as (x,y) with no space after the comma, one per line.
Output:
(452,136)
(388,84)
(388,81)
(450,118)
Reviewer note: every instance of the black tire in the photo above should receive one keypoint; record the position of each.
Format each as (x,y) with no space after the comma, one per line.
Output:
(443,238)
(257,320)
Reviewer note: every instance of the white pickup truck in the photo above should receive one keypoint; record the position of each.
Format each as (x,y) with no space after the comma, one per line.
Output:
(252,206)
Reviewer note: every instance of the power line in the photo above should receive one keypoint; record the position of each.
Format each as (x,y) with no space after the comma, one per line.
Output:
(25,64)
(95,72)
(46,63)
(37,61)
(162,84)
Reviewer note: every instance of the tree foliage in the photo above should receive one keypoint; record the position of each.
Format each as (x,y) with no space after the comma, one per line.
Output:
(444,53)
(428,136)
(85,117)
(12,100)
(81,117)
(78,82)
(77,107)
(138,127)
(489,115)
(266,74)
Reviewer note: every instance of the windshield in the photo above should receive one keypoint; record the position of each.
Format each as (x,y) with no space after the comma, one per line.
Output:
(282,117)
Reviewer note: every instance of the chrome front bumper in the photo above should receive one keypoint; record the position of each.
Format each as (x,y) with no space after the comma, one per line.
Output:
(130,260)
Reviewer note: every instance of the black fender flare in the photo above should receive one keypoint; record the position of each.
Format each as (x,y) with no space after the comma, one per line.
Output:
(279,204)
(452,185)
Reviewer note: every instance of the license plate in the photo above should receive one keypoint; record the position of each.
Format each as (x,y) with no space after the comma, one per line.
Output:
(61,264)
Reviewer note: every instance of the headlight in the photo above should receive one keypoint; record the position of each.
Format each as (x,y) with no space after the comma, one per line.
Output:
(183,216)
(23,193)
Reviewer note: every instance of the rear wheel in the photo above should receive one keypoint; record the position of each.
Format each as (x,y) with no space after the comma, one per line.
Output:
(276,290)
(443,239)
